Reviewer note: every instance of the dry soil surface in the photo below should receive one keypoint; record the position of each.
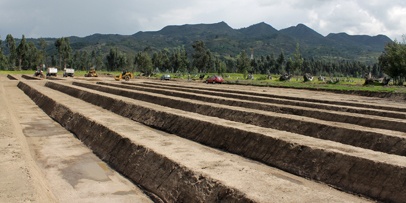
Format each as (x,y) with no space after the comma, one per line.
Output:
(40,161)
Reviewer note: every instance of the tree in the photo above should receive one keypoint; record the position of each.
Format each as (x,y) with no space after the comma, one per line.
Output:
(112,60)
(58,45)
(11,45)
(64,50)
(3,59)
(393,61)
(243,63)
(297,61)
(162,60)
(81,60)
(43,54)
(22,52)
(53,60)
(179,60)
(230,65)
(200,56)
(221,66)
(280,63)
(97,59)
(32,58)
(116,60)
(143,63)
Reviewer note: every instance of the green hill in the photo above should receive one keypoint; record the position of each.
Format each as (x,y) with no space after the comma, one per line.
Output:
(223,40)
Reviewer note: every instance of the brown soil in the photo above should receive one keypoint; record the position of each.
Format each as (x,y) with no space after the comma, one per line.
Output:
(43,162)
(301,141)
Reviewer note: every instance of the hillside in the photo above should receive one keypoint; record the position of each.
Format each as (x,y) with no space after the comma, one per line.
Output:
(223,40)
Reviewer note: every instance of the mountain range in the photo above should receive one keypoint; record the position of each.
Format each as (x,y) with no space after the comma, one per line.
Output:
(223,40)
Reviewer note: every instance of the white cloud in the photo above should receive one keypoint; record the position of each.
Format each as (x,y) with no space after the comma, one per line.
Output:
(397,17)
(43,18)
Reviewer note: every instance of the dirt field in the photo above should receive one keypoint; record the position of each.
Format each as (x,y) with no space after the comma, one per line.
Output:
(98,140)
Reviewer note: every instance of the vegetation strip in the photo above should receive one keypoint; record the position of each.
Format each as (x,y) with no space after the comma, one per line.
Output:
(342,166)
(368,139)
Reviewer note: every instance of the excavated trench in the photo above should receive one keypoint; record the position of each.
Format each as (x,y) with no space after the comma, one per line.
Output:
(196,174)
(11,77)
(352,169)
(135,160)
(385,141)
(348,168)
(286,98)
(313,110)
(351,107)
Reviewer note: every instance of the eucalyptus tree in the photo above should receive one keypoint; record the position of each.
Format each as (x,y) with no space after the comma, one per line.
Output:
(280,61)
(42,54)
(11,45)
(97,59)
(22,52)
(111,60)
(32,57)
(143,63)
(81,60)
(162,60)
(201,56)
(297,65)
(116,60)
(3,59)
(220,65)
(64,50)
(157,60)
(270,66)
(86,60)
(243,63)
(179,60)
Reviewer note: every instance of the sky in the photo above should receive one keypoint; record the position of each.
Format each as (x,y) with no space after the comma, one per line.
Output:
(57,18)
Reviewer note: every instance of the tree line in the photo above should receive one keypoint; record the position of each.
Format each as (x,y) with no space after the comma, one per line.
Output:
(27,55)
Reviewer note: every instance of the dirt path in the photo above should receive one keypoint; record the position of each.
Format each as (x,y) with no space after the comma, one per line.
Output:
(21,180)
(43,162)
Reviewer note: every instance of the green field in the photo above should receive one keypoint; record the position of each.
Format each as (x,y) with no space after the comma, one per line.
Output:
(345,84)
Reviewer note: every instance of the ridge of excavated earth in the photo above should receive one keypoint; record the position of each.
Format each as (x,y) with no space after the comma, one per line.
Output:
(376,139)
(294,96)
(300,155)
(183,141)
(279,101)
(176,169)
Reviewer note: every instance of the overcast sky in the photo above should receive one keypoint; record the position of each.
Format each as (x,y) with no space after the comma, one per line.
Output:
(63,18)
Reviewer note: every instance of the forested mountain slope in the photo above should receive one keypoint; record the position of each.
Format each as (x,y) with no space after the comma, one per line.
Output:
(223,40)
